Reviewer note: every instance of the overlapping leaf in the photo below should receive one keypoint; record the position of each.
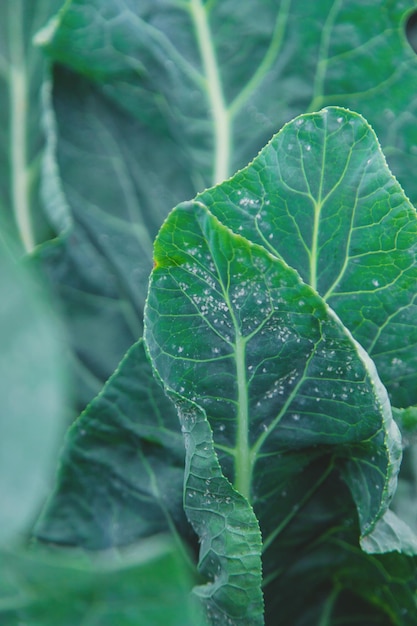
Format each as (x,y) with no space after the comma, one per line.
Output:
(281,380)
(207,102)
(121,478)
(122,468)
(321,197)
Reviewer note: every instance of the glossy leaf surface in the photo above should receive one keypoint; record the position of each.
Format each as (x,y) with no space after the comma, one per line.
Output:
(321,197)
(273,367)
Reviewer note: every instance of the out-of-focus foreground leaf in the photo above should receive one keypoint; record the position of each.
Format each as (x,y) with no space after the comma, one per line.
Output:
(22,142)
(32,395)
(199,87)
(147,584)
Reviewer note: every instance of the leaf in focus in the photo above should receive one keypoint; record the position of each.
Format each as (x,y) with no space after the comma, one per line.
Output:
(321,197)
(22,78)
(283,383)
(32,395)
(122,467)
(147,584)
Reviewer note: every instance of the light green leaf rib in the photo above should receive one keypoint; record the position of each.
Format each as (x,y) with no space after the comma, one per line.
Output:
(228,530)
(221,120)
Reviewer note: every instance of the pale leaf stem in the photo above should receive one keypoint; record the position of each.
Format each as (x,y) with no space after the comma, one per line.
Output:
(221,120)
(18,126)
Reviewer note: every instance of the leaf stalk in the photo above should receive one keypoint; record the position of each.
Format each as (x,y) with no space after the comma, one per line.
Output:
(219,111)
(18,133)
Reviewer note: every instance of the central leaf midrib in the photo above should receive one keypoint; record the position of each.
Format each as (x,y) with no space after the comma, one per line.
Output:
(314,245)
(317,207)
(243,461)
(241,452)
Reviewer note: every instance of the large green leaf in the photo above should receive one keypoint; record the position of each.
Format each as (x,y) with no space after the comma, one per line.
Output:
(22,70)
(122,468)
(222,78)
(321,197)
(289,395)
(32,395)
(147,584)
